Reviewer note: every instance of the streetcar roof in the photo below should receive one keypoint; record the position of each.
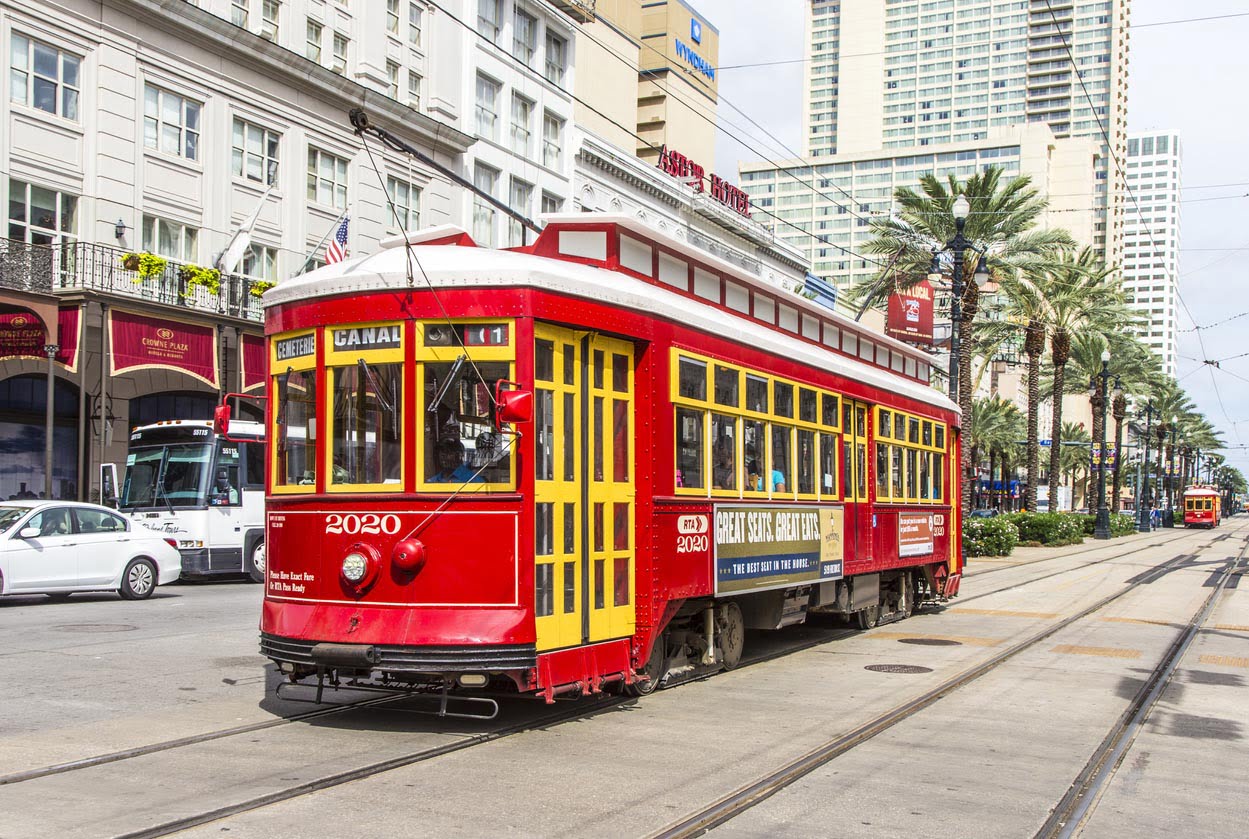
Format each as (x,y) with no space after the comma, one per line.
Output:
(452,267)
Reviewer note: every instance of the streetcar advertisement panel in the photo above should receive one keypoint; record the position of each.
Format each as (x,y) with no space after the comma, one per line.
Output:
(915,534)
(759,548)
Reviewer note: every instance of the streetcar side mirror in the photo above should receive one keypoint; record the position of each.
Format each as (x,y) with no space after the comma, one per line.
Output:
(512,404)
(221,419)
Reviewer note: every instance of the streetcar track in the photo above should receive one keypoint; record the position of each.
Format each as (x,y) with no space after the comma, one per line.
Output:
(752,794)
(1083,550)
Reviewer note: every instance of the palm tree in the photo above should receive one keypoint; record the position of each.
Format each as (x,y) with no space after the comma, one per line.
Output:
(992,426)
(1072,459)
(1001,223)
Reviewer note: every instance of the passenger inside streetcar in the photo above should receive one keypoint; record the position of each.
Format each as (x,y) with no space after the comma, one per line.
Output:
(452,469)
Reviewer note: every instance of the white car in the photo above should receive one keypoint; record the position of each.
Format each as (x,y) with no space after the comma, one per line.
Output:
(59,547)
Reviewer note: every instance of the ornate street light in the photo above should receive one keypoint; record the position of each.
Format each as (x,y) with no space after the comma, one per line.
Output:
(958,246)
(1143,499)
(1168,518)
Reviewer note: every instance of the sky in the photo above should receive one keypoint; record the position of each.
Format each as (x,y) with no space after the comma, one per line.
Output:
(1188,76)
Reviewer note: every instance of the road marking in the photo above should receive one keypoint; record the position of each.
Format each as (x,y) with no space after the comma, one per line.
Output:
(1104,652)
(1004,613)
(1225,660)
(1231,627)
(1145,621)
(962,639)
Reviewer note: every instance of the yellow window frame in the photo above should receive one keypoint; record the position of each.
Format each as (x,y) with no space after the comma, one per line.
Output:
(300,364)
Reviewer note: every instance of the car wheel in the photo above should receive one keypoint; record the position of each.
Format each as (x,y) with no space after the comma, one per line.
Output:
(139,580)
(257,570)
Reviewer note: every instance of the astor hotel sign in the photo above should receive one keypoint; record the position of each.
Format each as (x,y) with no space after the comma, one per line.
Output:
(679,166)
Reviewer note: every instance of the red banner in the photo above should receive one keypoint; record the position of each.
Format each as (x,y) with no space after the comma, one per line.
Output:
(22,336)
(252,361)
(910,314)
(139,342)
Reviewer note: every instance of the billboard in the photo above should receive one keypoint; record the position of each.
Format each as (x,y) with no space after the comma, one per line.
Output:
(910,314)
(759,548)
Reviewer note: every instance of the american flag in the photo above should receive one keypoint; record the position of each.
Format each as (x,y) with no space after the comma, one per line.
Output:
(337,250)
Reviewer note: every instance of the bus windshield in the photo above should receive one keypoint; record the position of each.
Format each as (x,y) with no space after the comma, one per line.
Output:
(175,475)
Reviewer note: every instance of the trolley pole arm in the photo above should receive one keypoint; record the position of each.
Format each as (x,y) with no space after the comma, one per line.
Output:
(360,121)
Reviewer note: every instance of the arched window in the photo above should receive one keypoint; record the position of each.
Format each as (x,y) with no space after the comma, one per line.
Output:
(23,414)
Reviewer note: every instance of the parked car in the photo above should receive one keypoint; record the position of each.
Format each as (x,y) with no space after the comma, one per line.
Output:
(59,547)
(984,513)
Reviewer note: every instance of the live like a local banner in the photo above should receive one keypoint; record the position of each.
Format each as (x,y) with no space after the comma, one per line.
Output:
(140,342)
(760,548)
(22,336)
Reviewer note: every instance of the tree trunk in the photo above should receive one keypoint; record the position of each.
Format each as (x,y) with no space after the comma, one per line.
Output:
(994,499)
(970,303)
(1118,483)
(1059,360)
(1095,402)
(1034,346)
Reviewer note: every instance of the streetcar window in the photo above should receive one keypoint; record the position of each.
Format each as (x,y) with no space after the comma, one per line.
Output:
(621,580)
(756,394)
(620,527)
(462,448)
(939,431)
(543,529)
(860,422)
(882,472)
(912,473)
(860,470)
(927,436)
(367,422)
(297,429)
(753,443)
(736,297)
(938,477)
(543,360)
(727,387)
(723,452)
(692,379)
(765,309)
(897,474)
(570,451)
(599,358)
(828,464)
(783,399)
(782,462)
(620,447)
(570,587)
(912,430)
(544,589)
(597,433)
(620,373)
(807,405)
(570,364)
(570,528)
(806,461)
(884,423)
(847,470)
(600,582)
(544,428)
(925,461)
(599,544)
(689,448)
(828,414)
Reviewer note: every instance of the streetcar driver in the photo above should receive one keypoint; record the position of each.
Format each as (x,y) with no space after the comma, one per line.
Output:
(451,466)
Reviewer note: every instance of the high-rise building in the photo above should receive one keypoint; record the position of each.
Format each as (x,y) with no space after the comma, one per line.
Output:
(1152,238)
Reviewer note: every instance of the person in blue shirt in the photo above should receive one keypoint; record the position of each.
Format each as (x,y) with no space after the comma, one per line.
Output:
(451,466)
(754,479)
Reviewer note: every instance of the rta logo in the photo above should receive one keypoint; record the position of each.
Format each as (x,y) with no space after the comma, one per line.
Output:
(692,524)
(164,334)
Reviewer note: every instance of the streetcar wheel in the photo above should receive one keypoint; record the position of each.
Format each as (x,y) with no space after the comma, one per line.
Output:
(139,580)
(908,595)
(656,667)
(257,570)
(731,631)
(867,618)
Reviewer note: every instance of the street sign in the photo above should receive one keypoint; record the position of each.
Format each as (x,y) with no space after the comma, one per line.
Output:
(1046,443)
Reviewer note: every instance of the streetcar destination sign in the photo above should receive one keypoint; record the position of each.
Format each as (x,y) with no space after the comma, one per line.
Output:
(760,548)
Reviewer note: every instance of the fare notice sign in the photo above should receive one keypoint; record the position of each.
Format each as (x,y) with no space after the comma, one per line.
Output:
(760,548)
(915,534)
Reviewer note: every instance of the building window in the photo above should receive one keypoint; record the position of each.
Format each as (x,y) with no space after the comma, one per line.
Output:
(552,140)
(407,200)
(261,263)
(43,77)
(490,19)
(168,238)
(551,203)
(238,13)
(392,16)
(269,14)
(414,90)
(327,179)
(524,37)
(486,179)
(41,216)
(522,118)
(520,197)
(415,16)
(556,58)
(170,123)
(392,76)
(313,50)
(488,108)
(340,53)
(255,152)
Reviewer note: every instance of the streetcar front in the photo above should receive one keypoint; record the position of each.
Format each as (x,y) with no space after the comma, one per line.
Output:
(394,512)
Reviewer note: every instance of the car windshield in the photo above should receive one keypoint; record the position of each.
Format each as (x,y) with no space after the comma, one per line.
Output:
(172,475)
(10,515)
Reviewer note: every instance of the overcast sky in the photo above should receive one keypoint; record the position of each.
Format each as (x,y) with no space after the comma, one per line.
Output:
(1188,76)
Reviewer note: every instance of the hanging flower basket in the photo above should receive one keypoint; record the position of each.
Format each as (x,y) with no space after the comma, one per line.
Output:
(148,265)
(196,276)
(259,287)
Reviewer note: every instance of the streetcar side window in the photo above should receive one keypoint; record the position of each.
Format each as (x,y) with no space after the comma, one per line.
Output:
(723,452)
(367,406)
(297,433)
(462,449)
(689,448)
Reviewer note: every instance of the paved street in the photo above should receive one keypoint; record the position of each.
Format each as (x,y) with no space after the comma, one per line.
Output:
(99,675)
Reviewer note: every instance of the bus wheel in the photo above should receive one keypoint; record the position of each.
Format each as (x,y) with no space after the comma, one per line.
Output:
(655,669)
(731,633)
(257,570)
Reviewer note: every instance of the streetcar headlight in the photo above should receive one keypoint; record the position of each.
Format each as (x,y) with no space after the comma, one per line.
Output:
(355,566)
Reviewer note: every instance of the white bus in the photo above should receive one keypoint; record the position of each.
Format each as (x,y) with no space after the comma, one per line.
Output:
(191,484)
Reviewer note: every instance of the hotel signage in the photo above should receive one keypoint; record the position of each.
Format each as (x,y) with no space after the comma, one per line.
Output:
(679,166)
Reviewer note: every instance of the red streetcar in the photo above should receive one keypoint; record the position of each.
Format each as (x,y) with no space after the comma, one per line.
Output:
(1202,507)
(594,461)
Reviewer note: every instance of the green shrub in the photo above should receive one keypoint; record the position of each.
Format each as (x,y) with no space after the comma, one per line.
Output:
(1122,524)
(989,537)
(1048,528)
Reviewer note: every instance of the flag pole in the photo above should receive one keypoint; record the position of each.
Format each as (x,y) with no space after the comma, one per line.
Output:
(312,253)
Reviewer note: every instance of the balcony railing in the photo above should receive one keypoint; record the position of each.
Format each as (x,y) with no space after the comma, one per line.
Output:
(84,266)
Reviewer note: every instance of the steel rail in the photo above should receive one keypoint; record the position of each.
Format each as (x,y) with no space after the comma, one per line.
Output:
(750,795)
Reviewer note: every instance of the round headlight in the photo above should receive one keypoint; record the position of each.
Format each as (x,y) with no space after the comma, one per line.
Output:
(355,566)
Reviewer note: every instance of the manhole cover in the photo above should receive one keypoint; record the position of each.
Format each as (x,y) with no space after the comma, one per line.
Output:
(897,668)
(96,627)
(931,642)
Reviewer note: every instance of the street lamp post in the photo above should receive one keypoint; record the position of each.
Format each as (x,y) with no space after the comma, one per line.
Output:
(1142,498)
(1101,529)
(50,350)
(958,247)
(1168,518)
